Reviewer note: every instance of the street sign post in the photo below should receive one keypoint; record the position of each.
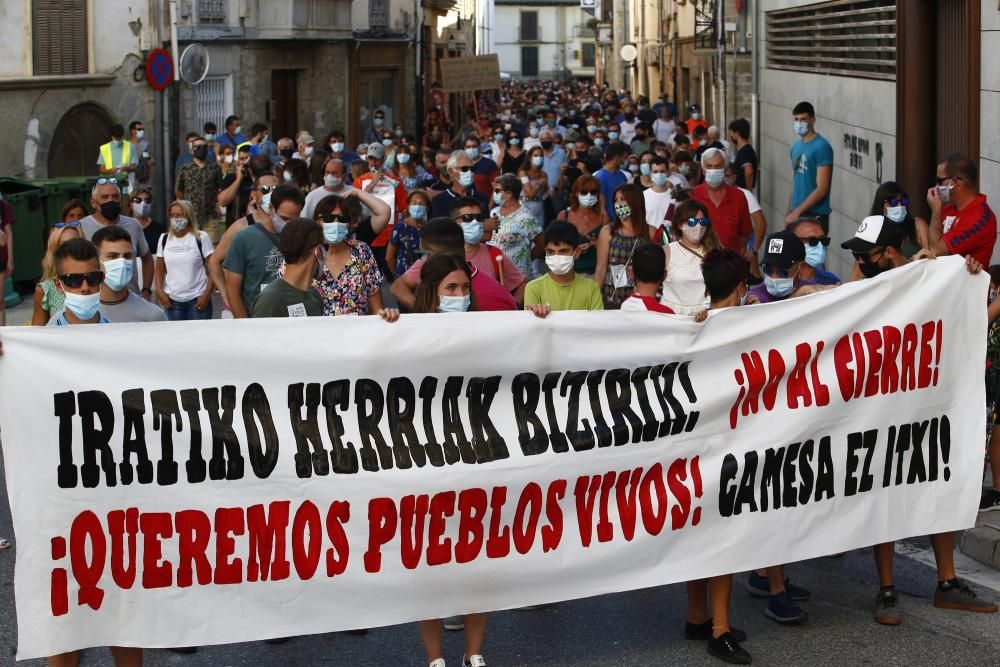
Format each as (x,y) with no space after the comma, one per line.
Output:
(159,69)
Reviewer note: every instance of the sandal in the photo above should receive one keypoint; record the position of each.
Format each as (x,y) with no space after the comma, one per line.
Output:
(4,544)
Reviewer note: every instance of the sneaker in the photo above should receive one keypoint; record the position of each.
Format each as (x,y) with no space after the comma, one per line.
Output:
(990,500)
(956,595)
(454,623)
(782,609)
(887,610)
(473,661)
(727,649)
(437,663)
(759,587)
(703,632)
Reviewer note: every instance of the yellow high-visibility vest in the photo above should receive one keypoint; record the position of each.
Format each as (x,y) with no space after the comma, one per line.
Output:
(126,154)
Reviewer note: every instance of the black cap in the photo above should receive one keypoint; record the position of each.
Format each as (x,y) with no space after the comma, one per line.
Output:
(783,249)
(875,231)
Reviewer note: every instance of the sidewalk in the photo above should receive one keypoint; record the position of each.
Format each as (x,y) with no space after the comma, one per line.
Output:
(981,542)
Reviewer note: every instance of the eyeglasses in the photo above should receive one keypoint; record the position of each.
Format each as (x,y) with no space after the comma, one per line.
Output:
(769,270)
(813,240)
(93,278)
(694,222)
(470,217)
(334,217)
(71,223)
(499,192)
(266,189)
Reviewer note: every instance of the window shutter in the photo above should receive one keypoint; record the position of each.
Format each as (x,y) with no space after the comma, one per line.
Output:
(59,36)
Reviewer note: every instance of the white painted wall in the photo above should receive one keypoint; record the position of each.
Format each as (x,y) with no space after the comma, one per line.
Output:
(561,33)
(989,103)
(111,39)
(865,108)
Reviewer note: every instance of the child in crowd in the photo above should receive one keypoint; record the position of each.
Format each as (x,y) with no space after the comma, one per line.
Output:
(561,288)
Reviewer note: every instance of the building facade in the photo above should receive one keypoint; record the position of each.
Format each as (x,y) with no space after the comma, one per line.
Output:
(544,39)
(896,87)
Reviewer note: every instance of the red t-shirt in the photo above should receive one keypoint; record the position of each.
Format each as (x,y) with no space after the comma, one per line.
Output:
(970,231)
(730,219)
(490,295)
(398,206)
(640,302)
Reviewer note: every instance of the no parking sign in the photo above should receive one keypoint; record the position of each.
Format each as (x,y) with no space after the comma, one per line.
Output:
(159,69)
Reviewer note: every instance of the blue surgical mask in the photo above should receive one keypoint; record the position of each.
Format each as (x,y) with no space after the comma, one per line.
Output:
(465,178)
(588,201)
(472,232)
(454,304)
(498,198)
(779,287)
(418,211)
(815,255)
(715,177)
(801,127)
(896,213)
(118,273)
(473,153)
(537,161)
(403,158)
(659,179)
(645,168)
(612,135)
(84,306)
(335,232)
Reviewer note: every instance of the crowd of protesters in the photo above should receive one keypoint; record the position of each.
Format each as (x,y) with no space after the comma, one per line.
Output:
(545,197)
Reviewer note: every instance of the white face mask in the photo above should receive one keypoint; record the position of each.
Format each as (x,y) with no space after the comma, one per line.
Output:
(694,234)
(332,182)
(238,130)
(337,147)
(178,224)
(265,203)
(141,208)
(560,265)
(453,304)
(588,201)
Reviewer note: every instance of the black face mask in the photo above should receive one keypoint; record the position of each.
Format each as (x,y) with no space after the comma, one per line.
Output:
(201,152)
(287,153)
(872,269)
(111,210)
(546,145)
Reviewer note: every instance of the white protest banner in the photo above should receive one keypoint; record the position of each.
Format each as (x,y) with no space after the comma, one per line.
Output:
(323,474)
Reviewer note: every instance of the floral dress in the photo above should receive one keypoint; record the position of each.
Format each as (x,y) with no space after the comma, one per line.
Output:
(52,298)
(621,251)
(406,238)
(348,293)
(412,183)
(516,235)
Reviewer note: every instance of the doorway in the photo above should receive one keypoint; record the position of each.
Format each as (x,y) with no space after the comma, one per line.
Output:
(284,108)
(77,140)
(377,89)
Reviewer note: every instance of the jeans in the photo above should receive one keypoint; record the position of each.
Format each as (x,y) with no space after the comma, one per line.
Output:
(185,310)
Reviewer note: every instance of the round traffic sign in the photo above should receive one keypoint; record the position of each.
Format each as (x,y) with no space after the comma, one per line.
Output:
(159,69)
(629,53)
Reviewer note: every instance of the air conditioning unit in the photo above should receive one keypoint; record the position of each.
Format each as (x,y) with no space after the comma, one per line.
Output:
(653,54)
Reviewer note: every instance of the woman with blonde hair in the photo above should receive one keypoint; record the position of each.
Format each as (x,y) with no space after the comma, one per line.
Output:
(684,288)
(183,284)
(49,299)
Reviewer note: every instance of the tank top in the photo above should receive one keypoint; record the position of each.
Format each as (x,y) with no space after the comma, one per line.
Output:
(684,288)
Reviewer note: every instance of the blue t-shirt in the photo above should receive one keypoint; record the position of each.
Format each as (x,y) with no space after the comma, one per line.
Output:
(824,277)
(807,157)
(609,183)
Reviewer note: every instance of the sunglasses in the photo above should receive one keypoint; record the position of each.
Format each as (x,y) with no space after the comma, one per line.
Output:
(106,181)
(464,169)
(693,222)
(93,278)
(266,189)
(470,217)
(71,223)
(144,200)
(866,257)
(499,192)
(197,146)
(813,240)
(899,201)
(590,192)
(771,270)
(335,217)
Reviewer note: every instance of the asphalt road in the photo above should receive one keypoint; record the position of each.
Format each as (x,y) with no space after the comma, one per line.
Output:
(642,627)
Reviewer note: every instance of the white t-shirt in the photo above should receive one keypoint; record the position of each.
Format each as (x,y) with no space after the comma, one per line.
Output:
(186,278)
(664,130)
(657,205)
(628,131)
(319,194)
(679,181)
(751,201)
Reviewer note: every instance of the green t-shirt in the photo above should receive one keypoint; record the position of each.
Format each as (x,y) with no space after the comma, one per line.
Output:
(254,254)
(280,299)
(581,294)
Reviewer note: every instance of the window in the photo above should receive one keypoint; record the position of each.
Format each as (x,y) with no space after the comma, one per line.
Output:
(844,37)
(211,11)
(378,14)
(213,102)
(59,37)
(529,61)
(529,26)
(589,59)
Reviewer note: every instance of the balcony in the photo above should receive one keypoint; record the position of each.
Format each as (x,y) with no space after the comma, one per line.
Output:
(221,20)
